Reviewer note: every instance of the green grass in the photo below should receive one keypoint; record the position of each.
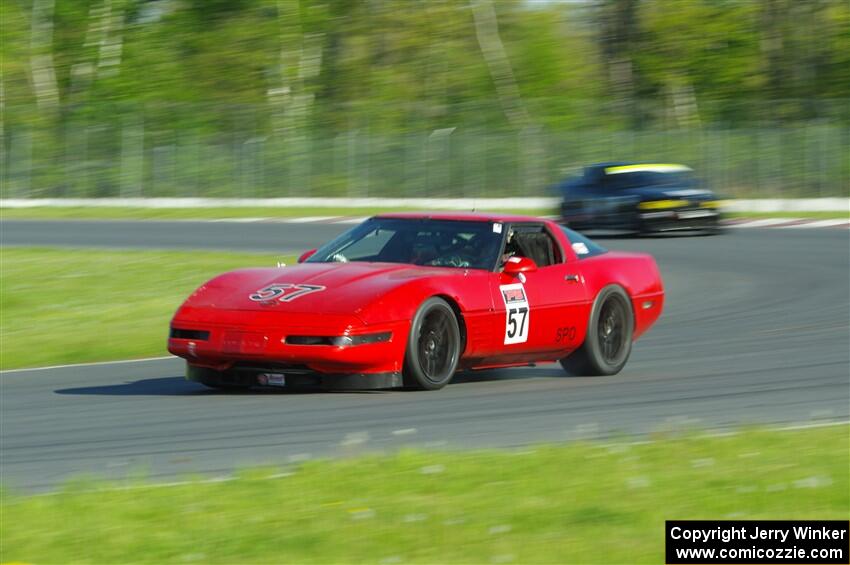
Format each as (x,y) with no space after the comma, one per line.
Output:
(71,305)
(577,503)
(50,213)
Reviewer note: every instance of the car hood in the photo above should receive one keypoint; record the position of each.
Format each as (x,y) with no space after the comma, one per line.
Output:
(321,288)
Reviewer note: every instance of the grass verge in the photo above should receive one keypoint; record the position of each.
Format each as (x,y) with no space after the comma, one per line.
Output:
(50,213)
(578,503)
(77,305)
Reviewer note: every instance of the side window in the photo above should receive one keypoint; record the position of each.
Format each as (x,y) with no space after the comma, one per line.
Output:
(583,246)
(533,242)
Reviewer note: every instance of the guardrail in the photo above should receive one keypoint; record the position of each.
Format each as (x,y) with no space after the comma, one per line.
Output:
(760,205)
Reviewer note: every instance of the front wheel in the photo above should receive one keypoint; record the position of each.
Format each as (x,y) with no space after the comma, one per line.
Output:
(609,336)
(433,346)
(717,228)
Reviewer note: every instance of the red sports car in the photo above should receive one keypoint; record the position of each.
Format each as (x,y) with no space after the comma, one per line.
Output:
(406,300)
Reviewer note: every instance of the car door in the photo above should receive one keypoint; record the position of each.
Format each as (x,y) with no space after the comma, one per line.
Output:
(574,193)
(607,203)
(539,311)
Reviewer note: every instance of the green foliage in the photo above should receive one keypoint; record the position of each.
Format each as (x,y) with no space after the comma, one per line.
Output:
(198,82)
(399,65)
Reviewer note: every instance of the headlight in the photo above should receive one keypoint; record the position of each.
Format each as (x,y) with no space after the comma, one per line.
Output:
(338,340)
(362,339)
(661,204)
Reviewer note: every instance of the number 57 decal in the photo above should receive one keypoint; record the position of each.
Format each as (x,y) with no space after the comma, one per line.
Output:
(517,318)
(285,292)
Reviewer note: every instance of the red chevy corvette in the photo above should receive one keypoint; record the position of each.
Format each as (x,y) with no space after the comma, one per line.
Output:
(406,300)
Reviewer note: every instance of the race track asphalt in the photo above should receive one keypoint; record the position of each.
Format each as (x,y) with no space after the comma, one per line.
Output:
(244,236)
(755,331)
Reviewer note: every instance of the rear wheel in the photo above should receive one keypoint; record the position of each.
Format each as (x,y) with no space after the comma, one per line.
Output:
(433,346)
(609,336)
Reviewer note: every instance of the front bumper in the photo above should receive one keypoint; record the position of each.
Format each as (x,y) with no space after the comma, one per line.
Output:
(650,216)
(680,219)
(234,339)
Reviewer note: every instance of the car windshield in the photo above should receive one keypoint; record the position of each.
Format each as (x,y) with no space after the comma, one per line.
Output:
(417,241)
(649,178)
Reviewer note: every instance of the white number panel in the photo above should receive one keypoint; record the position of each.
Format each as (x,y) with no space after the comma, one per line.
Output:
(517,313)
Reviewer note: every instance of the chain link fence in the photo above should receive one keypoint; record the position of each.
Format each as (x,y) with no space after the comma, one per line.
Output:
(90,159)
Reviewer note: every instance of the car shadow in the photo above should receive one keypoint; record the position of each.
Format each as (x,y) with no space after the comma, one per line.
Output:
(179,386)
(160,386)
(508,374)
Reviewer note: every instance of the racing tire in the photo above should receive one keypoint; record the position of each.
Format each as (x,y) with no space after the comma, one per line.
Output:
(608,343)
(433,346)
(717,229)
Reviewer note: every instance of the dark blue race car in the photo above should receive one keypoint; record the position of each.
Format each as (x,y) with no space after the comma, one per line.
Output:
(638,197)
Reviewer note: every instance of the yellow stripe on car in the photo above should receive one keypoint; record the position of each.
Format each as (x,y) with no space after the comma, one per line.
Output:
(713,204)
(661,204)
(649,167)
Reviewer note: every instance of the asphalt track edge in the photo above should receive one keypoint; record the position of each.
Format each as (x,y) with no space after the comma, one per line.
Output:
(232,477)
(85,364)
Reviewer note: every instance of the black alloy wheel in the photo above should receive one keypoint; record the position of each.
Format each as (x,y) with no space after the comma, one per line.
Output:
(611,328)
(433,347)
(608,342)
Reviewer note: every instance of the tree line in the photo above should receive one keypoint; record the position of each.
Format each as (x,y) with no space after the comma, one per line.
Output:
(183,97)
(403,65)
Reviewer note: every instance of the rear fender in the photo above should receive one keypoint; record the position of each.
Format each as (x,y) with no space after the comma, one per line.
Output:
(639,276)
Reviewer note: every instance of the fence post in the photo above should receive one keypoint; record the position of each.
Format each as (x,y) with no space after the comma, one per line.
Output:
(351,162)
(368,177)
(21,159)
(132,159)
(436,154)
(303,163)
(250,162)
(161,163)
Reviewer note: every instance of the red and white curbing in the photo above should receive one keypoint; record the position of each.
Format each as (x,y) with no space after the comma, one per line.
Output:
(787,223)
(736,223)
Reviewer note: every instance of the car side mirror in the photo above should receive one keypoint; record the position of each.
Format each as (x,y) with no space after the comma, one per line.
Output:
(306,255)
(517,265)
